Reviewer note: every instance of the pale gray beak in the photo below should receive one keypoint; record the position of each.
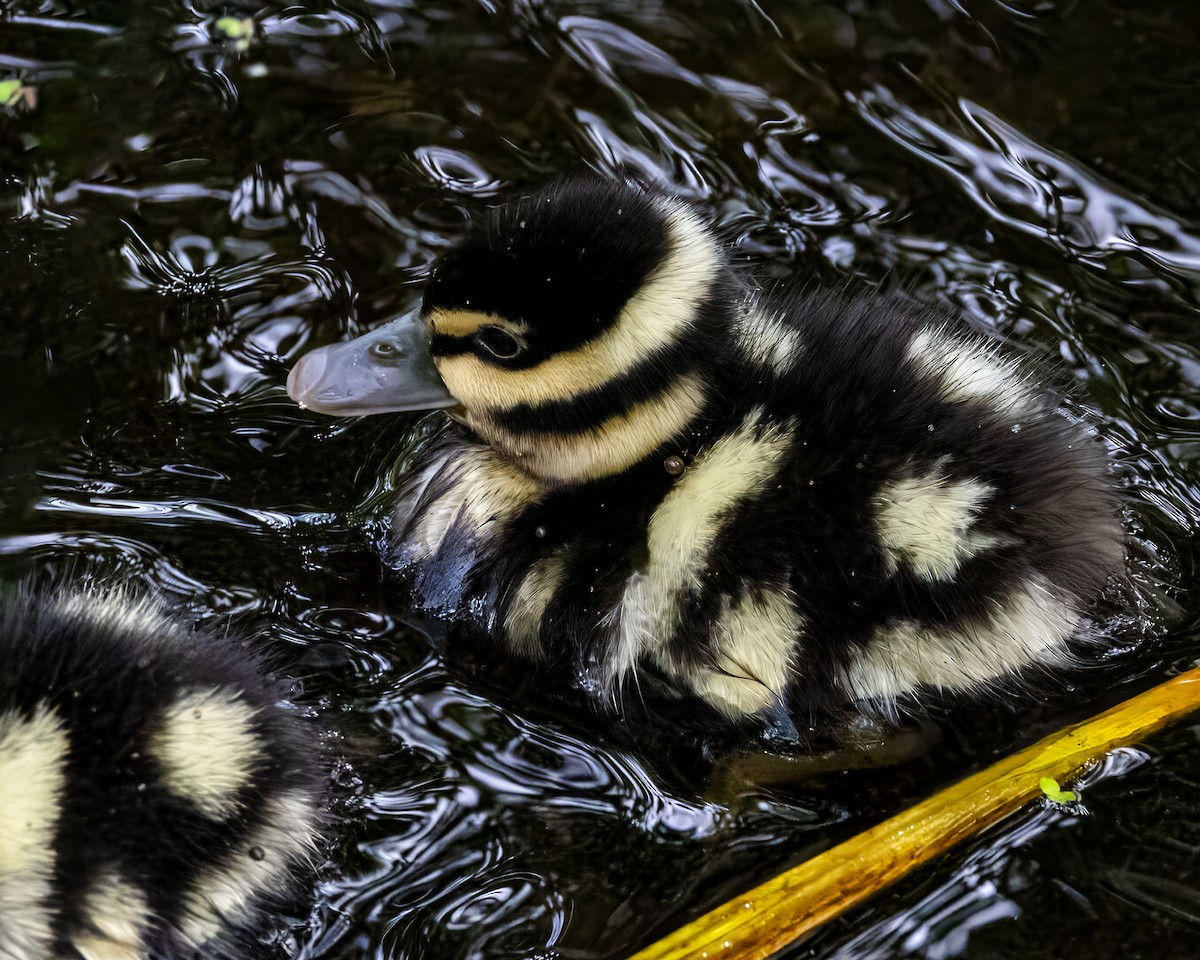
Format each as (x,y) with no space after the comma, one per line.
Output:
(387,370)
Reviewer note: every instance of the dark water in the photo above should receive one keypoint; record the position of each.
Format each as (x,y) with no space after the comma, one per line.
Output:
(188,205)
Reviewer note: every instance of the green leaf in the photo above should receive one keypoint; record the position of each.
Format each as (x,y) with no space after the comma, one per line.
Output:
(10,91)
(1056,793)
(236,28)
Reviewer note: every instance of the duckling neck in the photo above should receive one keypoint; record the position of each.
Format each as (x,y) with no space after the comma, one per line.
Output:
(657,426)
(662,407)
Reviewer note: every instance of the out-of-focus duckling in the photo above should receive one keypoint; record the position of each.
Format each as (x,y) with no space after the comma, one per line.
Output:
(154,795)
(661,476)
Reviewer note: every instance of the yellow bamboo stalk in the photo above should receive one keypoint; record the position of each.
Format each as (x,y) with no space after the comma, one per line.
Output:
(793,904)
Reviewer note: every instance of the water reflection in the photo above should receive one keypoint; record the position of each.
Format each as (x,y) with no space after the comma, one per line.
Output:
(186,207)
(1030,189)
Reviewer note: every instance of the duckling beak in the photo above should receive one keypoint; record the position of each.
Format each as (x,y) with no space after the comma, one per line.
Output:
(387,370)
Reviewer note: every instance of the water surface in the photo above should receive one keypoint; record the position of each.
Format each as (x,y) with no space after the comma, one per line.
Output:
(193,194)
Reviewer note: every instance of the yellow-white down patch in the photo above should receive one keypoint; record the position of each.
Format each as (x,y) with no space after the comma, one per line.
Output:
(1030,626)
(118,610)
(972,372)
(927,524)
(117,915)
(755,643)
(33,755)
(463,323)
(681,533)
(523,622)
(768,341)
(615,445)
(226,892)
(484,490)
(208,749)
(660,313)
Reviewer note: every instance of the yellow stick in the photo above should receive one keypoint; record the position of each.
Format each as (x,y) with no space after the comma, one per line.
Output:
(793,904)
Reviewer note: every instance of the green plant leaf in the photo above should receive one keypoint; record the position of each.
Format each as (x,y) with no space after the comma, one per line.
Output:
(236,28)
(1056,793)
(10,91)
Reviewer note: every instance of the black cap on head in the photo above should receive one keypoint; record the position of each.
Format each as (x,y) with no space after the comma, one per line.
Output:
(564,260)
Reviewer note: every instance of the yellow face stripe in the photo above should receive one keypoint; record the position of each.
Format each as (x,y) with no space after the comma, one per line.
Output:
(459,323)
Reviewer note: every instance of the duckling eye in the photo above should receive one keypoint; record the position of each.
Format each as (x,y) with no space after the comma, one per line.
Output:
(385,350)
(501,345)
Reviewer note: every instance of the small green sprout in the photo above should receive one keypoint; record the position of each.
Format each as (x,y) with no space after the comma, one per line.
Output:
(240,30)
(1056,793)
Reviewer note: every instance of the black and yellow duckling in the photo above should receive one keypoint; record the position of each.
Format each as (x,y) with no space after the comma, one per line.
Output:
(661,475)
(154,796)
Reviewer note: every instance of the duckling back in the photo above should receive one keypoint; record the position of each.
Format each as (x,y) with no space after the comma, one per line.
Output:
(945,523)
(154,795)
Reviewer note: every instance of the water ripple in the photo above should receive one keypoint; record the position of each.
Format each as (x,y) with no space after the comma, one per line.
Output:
(455,170)
(170,512)
(195,194)
(1038,192)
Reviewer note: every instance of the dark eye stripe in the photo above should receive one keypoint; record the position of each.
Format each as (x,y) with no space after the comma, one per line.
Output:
(645,380)
(448,345)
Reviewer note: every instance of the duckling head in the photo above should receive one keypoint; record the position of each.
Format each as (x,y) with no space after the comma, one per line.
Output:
(572,329)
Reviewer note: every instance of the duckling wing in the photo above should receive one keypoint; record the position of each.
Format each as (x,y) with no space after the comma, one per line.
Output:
(952,524)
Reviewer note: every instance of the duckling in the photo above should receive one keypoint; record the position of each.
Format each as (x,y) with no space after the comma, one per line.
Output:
(154,796)
(660,475)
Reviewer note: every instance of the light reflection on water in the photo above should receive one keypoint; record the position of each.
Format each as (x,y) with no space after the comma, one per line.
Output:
(182,216)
